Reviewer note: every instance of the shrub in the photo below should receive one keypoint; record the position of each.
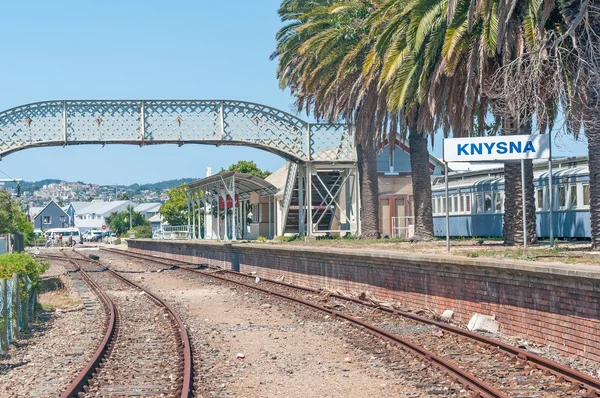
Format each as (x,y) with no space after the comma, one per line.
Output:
(261,239)
(24,264)
(287,238)
(118,241)
(143,232)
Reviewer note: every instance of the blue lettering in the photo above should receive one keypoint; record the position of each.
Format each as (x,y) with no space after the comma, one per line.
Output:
(515,147)
(462,149)
(501,148)
(529,147)
(489,147)
(476,148)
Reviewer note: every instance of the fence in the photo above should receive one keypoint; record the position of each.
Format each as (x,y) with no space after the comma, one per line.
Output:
(17,309)
(403,227)
(172,232)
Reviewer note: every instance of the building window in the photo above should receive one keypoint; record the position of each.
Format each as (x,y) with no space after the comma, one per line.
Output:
(562,197)
(488,202)
(47,220)
(540,199)
(572,195)
(586,194)
(498,202)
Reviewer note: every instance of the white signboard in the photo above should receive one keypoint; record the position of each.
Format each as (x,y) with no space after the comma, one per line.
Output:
(512,147)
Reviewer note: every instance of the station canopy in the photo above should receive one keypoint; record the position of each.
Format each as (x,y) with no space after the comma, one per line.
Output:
(244,184)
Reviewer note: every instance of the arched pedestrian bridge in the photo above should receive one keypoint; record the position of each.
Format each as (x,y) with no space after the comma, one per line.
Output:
(321,189)
(151,122)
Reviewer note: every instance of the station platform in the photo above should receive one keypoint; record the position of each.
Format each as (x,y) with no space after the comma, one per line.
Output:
(546,303)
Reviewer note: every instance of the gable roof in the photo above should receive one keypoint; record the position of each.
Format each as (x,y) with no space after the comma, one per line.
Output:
(433,161)
(48,204)
(102,207)
(79,205)
(147,207)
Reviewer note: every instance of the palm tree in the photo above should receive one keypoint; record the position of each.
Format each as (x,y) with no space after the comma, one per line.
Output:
(320,53)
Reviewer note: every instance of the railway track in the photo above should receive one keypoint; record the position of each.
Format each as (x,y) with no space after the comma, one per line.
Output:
(145,350)
(486,366)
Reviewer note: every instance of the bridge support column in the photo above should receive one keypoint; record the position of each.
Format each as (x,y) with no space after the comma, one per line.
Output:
(300,180)
(309,206)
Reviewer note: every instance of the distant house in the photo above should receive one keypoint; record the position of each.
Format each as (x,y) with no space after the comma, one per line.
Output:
(155,222)
(74,208)
(32,212)
(148,210)
(51,216)
(93,215)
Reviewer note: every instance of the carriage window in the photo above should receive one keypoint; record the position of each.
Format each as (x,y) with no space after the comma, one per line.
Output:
(586,194)
(562,196)
(540,199)
(479,203)
(455,203)
(573,195)
(468,203)
(444,205)
(461,201)
(488,202)
(498,202)
(433,205)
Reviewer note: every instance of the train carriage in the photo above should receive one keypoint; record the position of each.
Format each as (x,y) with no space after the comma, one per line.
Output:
(476,201)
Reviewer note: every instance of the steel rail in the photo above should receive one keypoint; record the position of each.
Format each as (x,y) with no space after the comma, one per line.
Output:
(573,376)
(467,379)
(78,384)
(183,334)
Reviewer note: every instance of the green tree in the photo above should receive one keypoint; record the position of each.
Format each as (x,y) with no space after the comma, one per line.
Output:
(175,209)
(13,218)
(119,221)
(247,167)
(124,196)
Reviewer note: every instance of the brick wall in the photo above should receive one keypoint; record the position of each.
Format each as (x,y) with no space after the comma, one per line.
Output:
(547,304)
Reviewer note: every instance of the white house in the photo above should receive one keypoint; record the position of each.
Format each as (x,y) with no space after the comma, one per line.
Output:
(93,216)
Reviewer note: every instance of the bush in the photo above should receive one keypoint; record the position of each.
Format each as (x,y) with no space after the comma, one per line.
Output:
(261,239)
(24,264)
(143,232)
(118,241)
(287,238)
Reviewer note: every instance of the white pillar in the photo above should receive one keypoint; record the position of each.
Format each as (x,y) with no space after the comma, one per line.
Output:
(270,216)
(206,220)
(193,231)
(233,210)
(218,215)
(188,224)
(225,226)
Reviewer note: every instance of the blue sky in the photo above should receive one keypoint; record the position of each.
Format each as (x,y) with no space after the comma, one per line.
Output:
(142,50)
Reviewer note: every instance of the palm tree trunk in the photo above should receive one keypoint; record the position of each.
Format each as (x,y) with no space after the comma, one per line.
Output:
(369,189)
(592,132)
(421,185)
(512,230)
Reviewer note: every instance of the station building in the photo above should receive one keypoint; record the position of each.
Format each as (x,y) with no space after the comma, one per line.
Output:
(272,207)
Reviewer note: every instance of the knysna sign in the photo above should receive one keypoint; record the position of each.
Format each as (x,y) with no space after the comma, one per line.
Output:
(515,147)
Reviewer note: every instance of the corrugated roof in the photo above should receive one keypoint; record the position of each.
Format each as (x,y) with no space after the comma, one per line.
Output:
(102,208)
(244,183)
(147,207)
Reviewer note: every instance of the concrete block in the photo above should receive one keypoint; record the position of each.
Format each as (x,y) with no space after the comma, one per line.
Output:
(483,323)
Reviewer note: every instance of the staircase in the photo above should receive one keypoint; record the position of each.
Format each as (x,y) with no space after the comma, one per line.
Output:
(332,181)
